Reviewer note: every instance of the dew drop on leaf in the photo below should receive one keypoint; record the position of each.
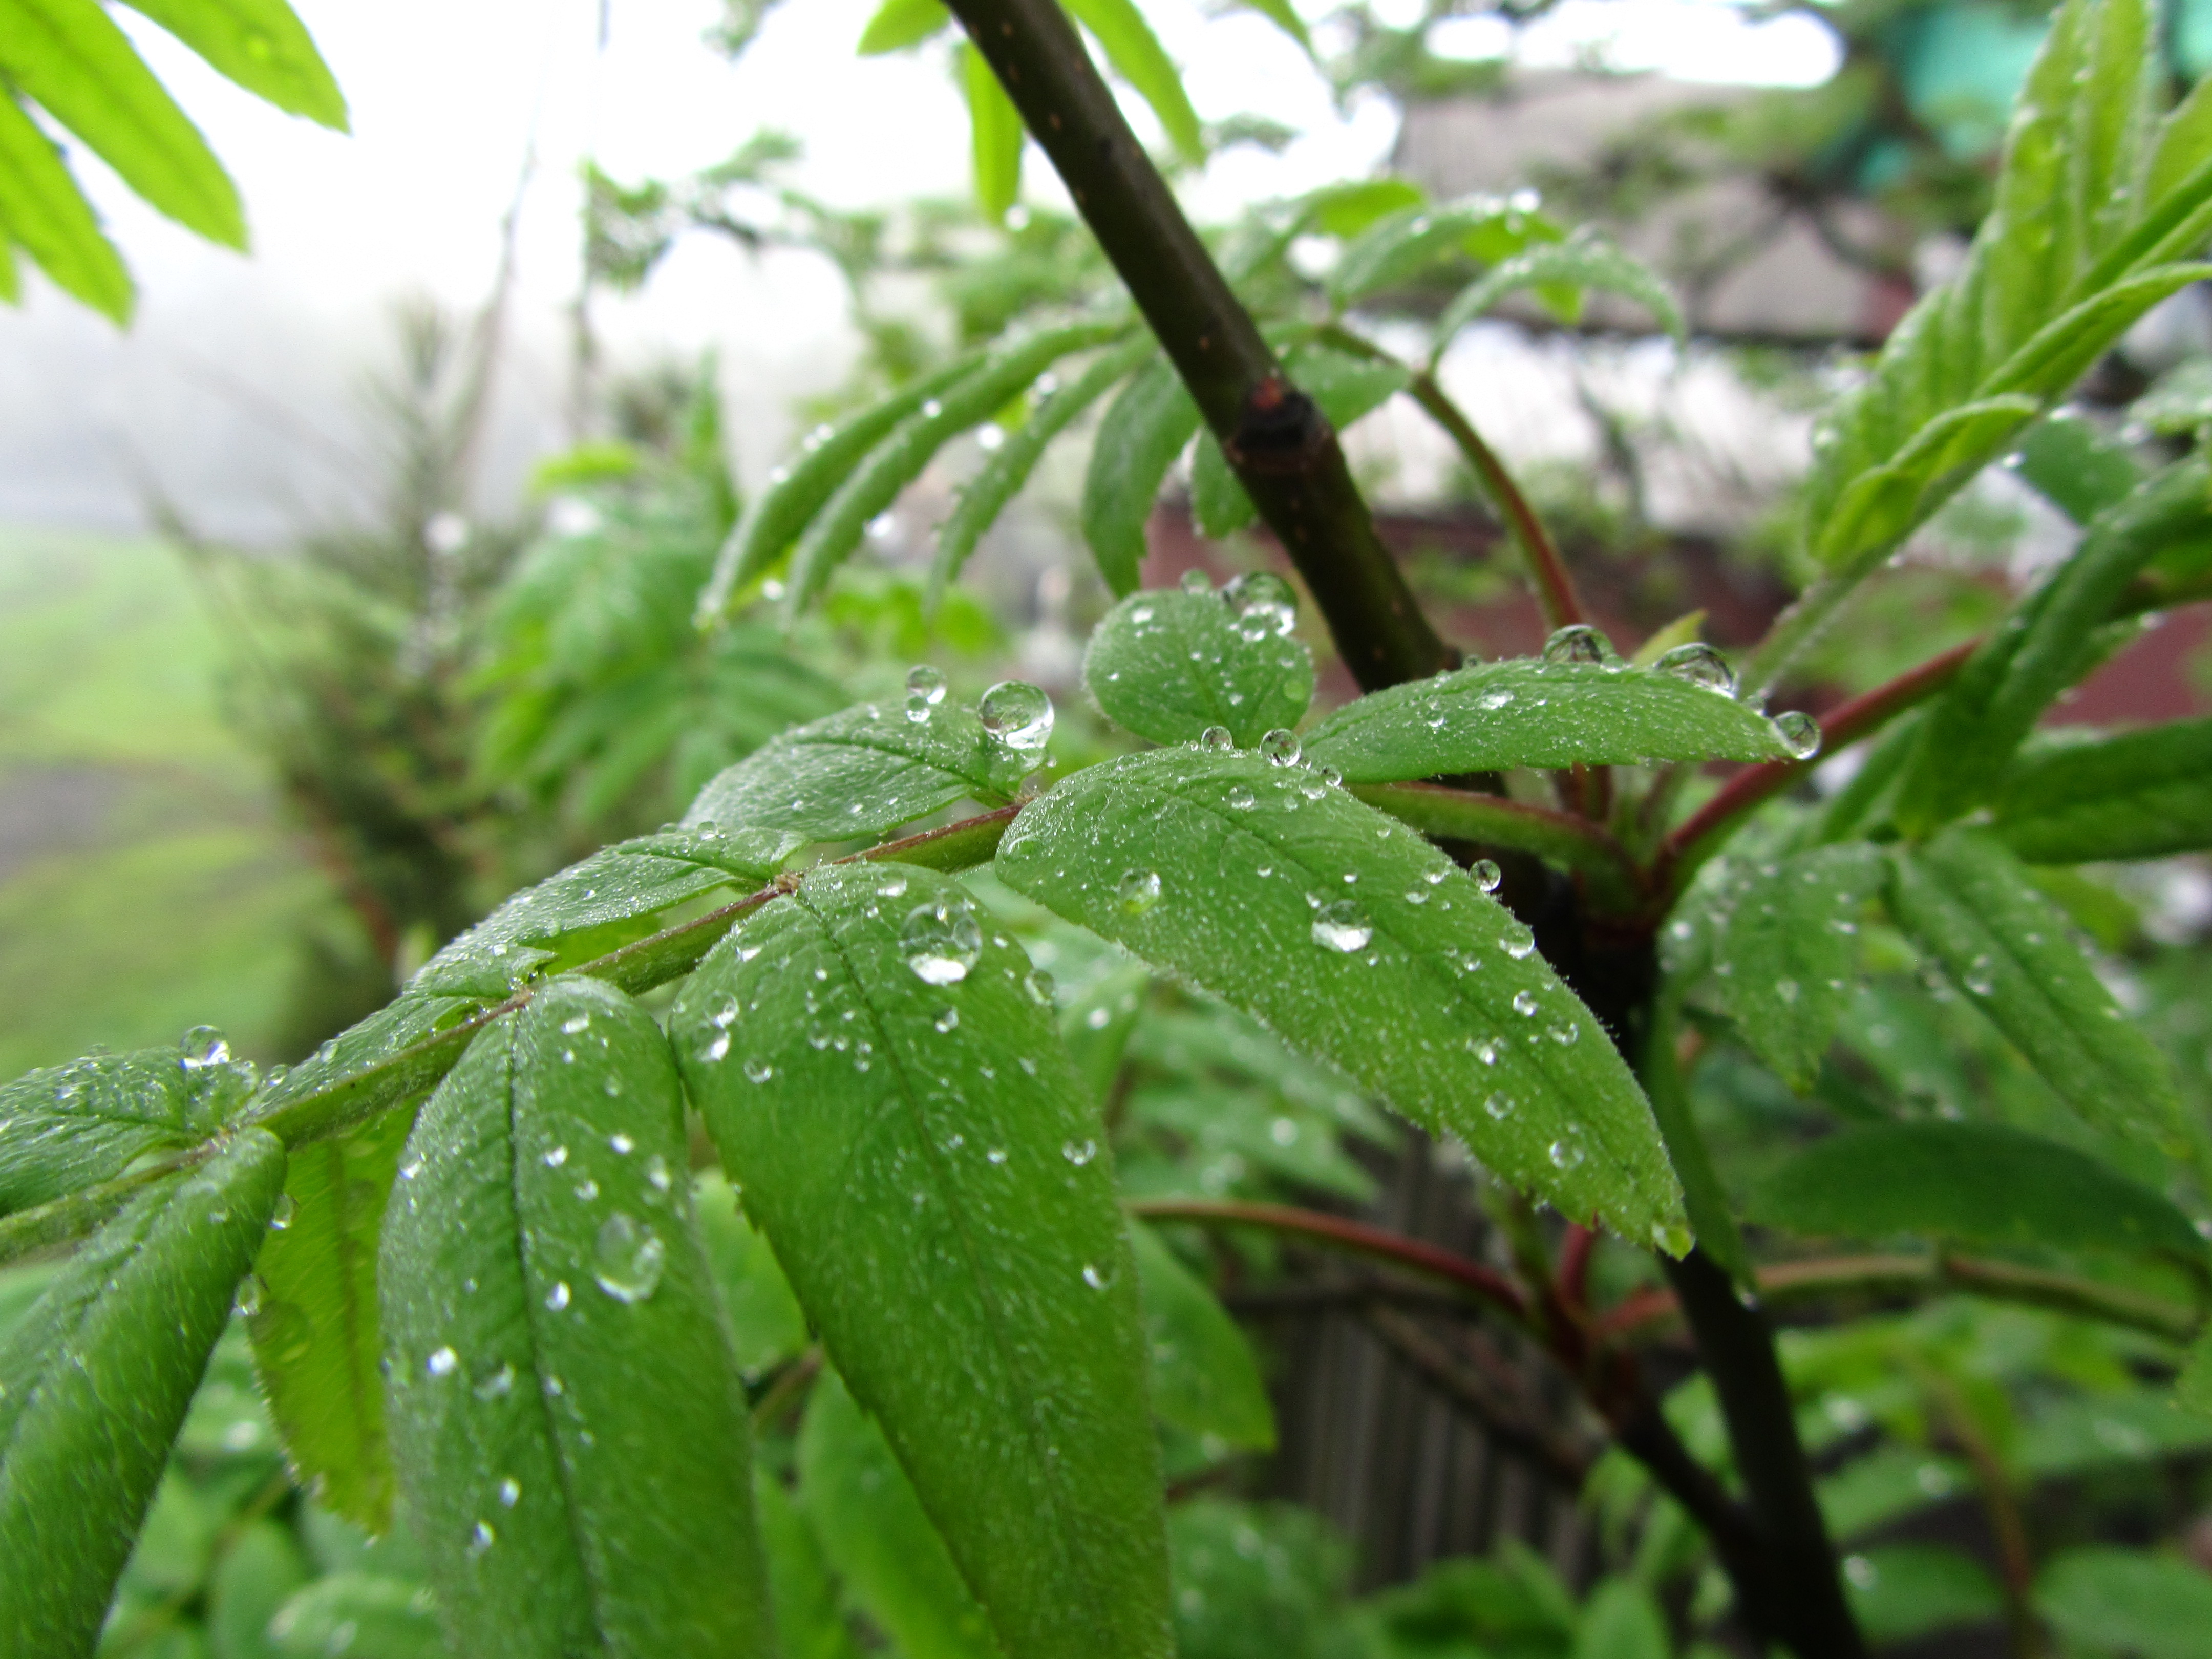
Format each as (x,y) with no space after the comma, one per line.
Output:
(1800,733)
(1138,890)
(481,1538)
(941,941)
(1197,581)
(250,1293)
(1280,747)
(442,1362)
(1039,984)
(1264,604)
(1018,714)
(759,1070)
(1217,739)
(1342,925)
(495,1385)
(557,1297)
(1498,1107)
(1078,1152)
(510,1492)
(1241,799)
(628,1257)
(949,1020)
(891,886)
(281,1216)
(1524,1003)
(1566,1155)
(1517,941)
(1330,776)
(1700,664)
(1487,874)
(1577,643)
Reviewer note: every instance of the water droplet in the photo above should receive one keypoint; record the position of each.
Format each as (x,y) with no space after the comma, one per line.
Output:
(1786,989)
(481,1538)
(925,689)
(1280,747)
(557,1297)
(1566,1155)
(759,1070)
(1484,1050)
(1698,664)
(996,1155)
(1264,604)
(622,1145)
(510,1492)
(1143,613)
(1487,874)
(949,1020)
(1197,581)
(941,941)
(281,1216)
(1018,714)
(1039,984)
(559,1155)
(1138,890)
(718,1048)
(1331,776)
(1096,1280)
(1417,896)
(586,1190)
(656,1171)
(1981,976)
(1517,941)
(1565,1035)
(442,1362)
(1079,1152)
(1800,733)
(250,1293)
(1217,738)
(628,1259)
(497,1385)
(892,886)
(1578,642)
(1342,925)
(1524,1003)
(579,1022)
(1498,1107)
(203,1045)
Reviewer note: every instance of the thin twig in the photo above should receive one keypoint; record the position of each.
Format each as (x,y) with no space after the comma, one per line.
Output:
(1516,1429)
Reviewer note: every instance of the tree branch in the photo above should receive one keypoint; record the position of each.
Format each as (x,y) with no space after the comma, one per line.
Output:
(1281,448)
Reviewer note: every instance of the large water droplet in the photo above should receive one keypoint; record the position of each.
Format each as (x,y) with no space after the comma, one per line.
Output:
(281,1216)
(941,941)
(1138,890)
(925,685)
(442,1362)
(628,1257)
(1342,925)
(1578,642)
(759,1070)
(250,1293)
(1079,1152)
(1197,581)
(510,1492)
(1517,941)
(1280,747)
(1241,799)
(1698,664)
(203,1045)
(1264,604)
(1487,874)
(1039,984)
(1524,1003)
(1800,733)
(557,1297)
(1566,1155)
(1018,714)
(1219,739)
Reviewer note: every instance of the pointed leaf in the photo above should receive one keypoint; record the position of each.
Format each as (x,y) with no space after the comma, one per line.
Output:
(43,212)
(2109,1598)
(1968,903)
(1138,57)
(316,1345)
(765,1320)
(1284,15)
(1168,665)
(1346,387)
(901,23)
(2143,794)
(259,43)
(1204,1379)
(567,1420)
(1496,715)
(914,1141)
(1883,505)
(363,1615)
(1905,1592)
(95,1380)
(1355,939)
(862,771)
(810,1618)
(69,57)
(1790,953)
(1979,1183)
(995,135)
(1416,239)
(1579,263)
(66,1127)
(1621,1621)
(2075,467)
(1145,428)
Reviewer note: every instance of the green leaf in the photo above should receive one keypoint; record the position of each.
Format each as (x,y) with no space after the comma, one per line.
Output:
(1621,1621)
(796,492)
(1580,262)
(1413,240)
(1902,1592)
(996,135)
(567,1418)
(1968,903)
(2095,1432)
(1887,1484)
(1167,665)
(95,1382)
(809,1618)
(970,401)
(397,1053)
(259,43)
(1789,954)
(1883,504)
(69,57)
(610,899)
(2143,794)
(2075,466)
(1204,1378)
(1343,387)
(316,1341)
(1407,975)
(1344,210)
(252,1580)
(2051,640)
(363,1615)
(861,771)
(43,212)
(2107,1598)
(66,1127)
(898,24)
(984,496)
(874,1529)
(1522,712)
(1138,57)
(765,1320)
(912,1138)
(1979,1183)
(1145,428)
(1285,16)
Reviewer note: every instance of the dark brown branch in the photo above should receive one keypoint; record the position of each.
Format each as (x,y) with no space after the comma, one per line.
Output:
(1283,450)
(1509,1422)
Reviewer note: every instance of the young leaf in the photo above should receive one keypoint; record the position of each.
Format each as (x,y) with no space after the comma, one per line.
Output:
(1524,713)
(66,1127)
(2141,794)
(1790,952)
(567,1420)
(1357,940)
(898,24)
(862,771)
(50,219)
(69,57)
(260,45)
(1978,1183)
(95,1380)
(2109,1598)
(1138,57)
(765,1320)
(316,1342)
(1621,1621)
(914,1141)
(1204,1379)
(1415,238)
(984,496)
(874,1529)
(1145,428)
(1343,385)
(968,402)
(1168,665)
(607,900)
(2075,467)
(809,1618)
(1966,901)
(1580,262)
(995,135)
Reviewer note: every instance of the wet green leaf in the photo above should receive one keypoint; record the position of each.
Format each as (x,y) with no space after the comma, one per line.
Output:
(883,1082)
(1903,1592)
(810,1617)
(1790,952)
(2141,794)
(2108,1598)
(1204,1377)
(361,1615)
(66,1127)
(1354,939)
(567,1418)
(1167,664)
(1145,428)
(764,1316)
(1579,263)
(1418,238)
(2075,466)
(995,135)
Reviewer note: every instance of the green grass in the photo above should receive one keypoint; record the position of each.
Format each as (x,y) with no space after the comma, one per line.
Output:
(146,883)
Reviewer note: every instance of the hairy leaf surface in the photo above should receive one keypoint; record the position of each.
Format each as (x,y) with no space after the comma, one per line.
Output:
(95,1380)
(1145,428)
(66,1127)
(1522,712)
(1354,939)
(567,1420)
(1790,954)
(1204,1378)
(1967,901)
(2143,794)
(1169,664)
(913,1138)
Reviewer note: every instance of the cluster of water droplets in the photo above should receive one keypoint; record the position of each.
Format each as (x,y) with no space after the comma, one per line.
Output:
(1017,716)
(941,940)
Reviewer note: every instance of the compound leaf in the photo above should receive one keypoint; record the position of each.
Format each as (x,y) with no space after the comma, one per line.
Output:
(1205,1380)
(1578,264)
(1145,428)
(1355,939)
(1790,954)
(910,1134)
(567,1420)
(1168,665)
(259,43)
(63,1129)
(2143,794)
(49,218)
(95,1380)
(1522,712)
